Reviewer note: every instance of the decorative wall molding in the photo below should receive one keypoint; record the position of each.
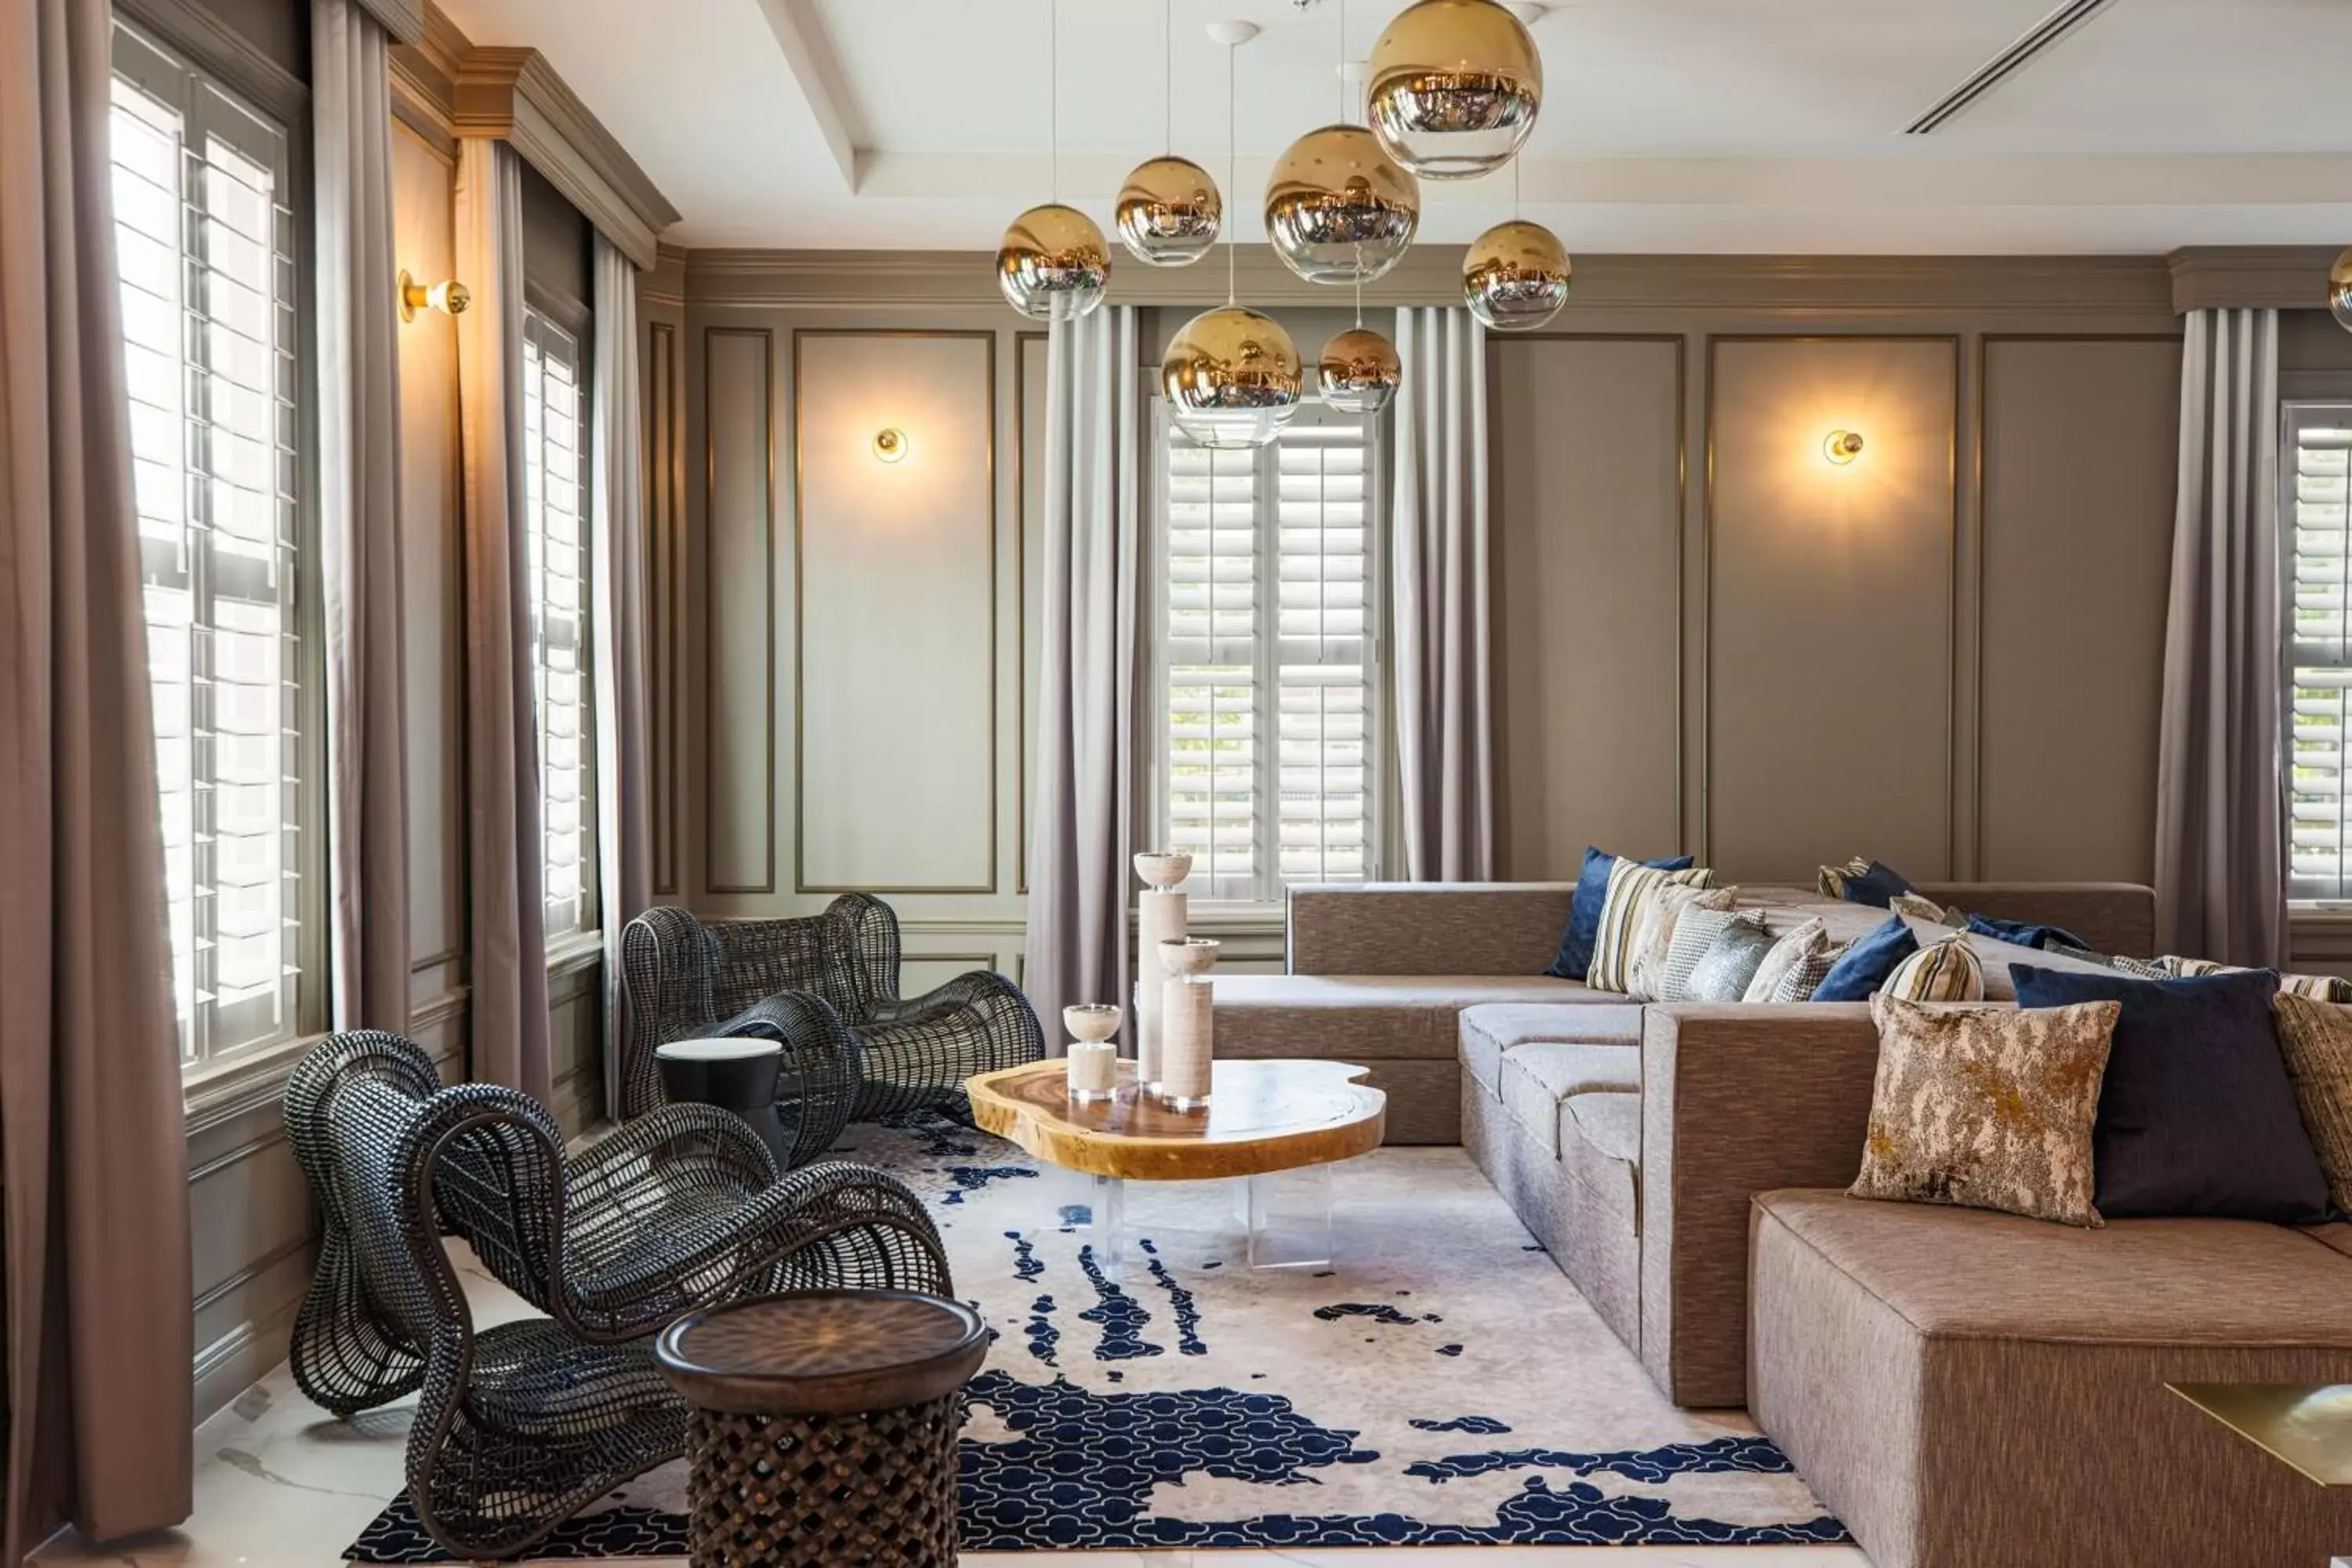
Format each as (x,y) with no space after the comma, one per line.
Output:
(515,96)
(2250,276)
(1859,286)
(197,31)
(404,19)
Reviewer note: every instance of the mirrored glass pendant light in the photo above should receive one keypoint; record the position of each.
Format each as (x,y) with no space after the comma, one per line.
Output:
(1168,212)
(1338,209)
(1052,263)
(1515,276)
(1455,88)
(2339,291)
(1232,376)
(1359,372)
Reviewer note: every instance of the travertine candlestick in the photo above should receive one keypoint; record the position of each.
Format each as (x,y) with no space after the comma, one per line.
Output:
(1188,1041)
(1093,1065)
(1160,917)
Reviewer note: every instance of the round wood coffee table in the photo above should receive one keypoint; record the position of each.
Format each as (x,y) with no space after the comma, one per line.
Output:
(824,1427)
(1278,1124)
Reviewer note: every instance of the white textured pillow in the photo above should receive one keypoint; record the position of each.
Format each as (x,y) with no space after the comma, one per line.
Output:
(1654,943)
(1630,883)
(1807,937)
(1945,971)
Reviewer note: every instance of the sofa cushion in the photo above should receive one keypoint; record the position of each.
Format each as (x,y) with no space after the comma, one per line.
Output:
(1360,1018)
(1535,1078)
(1493,1027)
(1972,1273)
(1609,1123)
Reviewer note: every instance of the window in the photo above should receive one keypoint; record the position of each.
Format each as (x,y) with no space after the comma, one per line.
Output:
(204,241)
(555,479)
(1267,670)
(2316,527)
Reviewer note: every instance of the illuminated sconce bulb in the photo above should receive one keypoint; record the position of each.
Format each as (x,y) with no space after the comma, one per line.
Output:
(1841,447)
(890,445)
(449,297)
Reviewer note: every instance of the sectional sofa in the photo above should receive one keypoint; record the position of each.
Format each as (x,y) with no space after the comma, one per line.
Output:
(1961,1388)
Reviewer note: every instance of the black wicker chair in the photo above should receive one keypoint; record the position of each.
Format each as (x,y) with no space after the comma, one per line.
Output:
(520,1426)
(827,987)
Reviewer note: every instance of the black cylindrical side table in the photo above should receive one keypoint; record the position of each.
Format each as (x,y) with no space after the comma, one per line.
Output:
(824,1431)
(734,1072)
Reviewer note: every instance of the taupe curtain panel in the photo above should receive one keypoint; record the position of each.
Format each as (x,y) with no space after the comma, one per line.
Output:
(621,659)
(359,516)
(507,910)
(2221,820)
(1438,601)
(93,1156)
(1081,835)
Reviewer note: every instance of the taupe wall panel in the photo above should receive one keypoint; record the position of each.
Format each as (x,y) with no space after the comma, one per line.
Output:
(739,612)
(1587,504)
(435,638)
(2078,511)
(1830,604)
(665,405)
(896,612)
(1029,451)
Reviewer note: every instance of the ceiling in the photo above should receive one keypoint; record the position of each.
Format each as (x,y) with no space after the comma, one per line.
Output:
(1667,125)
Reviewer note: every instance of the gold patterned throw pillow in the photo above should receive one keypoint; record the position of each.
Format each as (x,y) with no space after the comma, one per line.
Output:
(2315,1037)
(1945,971)
(1630,883)
(1987,1108)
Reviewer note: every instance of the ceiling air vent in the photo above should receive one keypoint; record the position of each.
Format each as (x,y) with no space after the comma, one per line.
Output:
(2002,66)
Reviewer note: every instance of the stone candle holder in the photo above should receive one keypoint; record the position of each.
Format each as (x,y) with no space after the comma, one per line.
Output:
(1190,1043)
(1093,1070)
(1159,916)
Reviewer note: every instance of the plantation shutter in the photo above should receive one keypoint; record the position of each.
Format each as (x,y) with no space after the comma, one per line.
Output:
(554,405)
(2317,514)
(1322,546)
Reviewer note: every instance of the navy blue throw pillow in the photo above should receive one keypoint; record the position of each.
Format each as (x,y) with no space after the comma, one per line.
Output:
(2024,933)
(1866,964)
(2196,1115)
(1576,938)
(1877,885)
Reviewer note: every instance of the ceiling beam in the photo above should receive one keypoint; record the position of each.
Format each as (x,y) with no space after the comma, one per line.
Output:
(800,33)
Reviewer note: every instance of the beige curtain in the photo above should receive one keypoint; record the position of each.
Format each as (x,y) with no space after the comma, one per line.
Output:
(93,1156)
(2221,823)
(1082,831)
(620,559)
(1438,600)
(506,911)
(358,517)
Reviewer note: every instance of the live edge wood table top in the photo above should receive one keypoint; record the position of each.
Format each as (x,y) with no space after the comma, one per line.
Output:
(1262,1116)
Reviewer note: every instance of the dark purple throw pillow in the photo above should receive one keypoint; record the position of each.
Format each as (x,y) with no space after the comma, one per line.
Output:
(2196,1115)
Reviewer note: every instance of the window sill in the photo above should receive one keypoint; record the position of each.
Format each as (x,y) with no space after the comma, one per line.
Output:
(571,953)
(218,1093)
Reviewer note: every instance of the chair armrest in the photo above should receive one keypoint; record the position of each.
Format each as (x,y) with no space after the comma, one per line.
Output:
(822,1073)
(1735,1100)
(1432,927)
(674,1141)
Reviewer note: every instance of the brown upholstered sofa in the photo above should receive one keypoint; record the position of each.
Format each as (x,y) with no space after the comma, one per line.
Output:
(1962,1389)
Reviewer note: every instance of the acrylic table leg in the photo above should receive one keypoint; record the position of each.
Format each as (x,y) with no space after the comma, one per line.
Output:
(1290,1218)
(1094,1208)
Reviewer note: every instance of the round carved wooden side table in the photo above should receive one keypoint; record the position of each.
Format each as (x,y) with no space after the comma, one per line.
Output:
(824,1424)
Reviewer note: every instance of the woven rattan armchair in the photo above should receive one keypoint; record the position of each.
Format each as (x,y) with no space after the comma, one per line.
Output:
(827,986)
(520,1426)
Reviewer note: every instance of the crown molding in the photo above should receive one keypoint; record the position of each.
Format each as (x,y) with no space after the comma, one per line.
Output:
(404,19)
(2138,287)
(514,95)
(2250,276)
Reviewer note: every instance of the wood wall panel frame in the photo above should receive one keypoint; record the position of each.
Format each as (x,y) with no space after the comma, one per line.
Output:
(1680,342)
(987,335)
(665,515)
(767,337)
(1984,342)
(1021,341)
(1955,343)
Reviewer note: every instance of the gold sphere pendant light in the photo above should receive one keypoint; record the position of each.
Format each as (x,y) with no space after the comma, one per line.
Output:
(1338,209)
(1515,276)
(2339,291)
(1359,372)
(1168,212)
(1232,376)
(1053,264)
(1454,88)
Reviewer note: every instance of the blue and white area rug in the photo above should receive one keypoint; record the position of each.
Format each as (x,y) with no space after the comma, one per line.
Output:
(1442,1383)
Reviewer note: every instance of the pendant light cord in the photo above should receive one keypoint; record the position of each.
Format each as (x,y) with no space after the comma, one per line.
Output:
(1054,90)
(1233,182)
(1345,118)
(1168,89)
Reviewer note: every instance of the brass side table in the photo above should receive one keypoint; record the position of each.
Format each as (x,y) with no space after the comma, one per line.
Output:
(824,1427)
(2306,1426)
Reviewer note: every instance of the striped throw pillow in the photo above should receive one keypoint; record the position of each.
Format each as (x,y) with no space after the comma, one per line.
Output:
(2312,988)
(1631,885)
(1945,971)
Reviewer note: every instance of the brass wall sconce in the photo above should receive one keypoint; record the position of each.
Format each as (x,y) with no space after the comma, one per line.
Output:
(449,297)
(889,444)
(1841,447)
